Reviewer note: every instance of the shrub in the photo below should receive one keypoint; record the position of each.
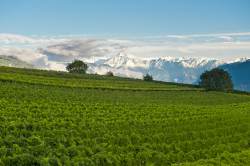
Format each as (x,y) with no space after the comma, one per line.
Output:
(216,79)
(77,66)
(110,74)
(147,77)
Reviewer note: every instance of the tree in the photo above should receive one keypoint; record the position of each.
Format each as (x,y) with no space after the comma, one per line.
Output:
(147,77)
(77,66)
(110,73)
(216,79)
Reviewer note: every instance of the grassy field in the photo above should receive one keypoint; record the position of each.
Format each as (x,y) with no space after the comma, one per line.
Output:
(55,118)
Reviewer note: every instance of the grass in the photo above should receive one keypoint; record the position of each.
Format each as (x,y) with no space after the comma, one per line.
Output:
(56,118)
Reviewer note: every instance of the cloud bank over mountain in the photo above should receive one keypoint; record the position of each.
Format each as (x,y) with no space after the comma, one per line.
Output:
(179,58)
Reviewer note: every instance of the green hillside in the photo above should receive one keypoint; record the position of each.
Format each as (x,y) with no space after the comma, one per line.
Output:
(56,118)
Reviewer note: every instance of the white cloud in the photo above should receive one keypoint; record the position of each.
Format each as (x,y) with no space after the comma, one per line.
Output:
(25,54)
(218,50)
(11,38)
(212,35)
(226,38)
(53,52)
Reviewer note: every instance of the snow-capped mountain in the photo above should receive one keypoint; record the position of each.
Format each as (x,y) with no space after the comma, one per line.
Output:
(170,69)
(181,70)
(125,60)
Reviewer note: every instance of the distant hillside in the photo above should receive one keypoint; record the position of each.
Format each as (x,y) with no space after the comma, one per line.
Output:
(13,62)
(240,74)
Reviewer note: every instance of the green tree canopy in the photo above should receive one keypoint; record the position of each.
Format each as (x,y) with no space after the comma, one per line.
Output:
(216,79)
(147,77)
(110,73)
(77,66)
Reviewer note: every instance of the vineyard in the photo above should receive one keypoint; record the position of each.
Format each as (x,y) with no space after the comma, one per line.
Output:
(55,118)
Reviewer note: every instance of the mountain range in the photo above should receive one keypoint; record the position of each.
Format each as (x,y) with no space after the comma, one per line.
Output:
(240,73)
(168,69)
(181,70)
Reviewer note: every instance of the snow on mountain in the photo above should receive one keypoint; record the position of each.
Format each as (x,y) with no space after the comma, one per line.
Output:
(238,60)
(181,70)
(125,60)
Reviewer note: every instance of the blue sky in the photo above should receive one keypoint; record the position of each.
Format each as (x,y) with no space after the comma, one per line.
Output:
(123,17)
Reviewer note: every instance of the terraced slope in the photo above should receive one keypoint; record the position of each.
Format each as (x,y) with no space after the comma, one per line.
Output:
(51,118)
(83,81)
